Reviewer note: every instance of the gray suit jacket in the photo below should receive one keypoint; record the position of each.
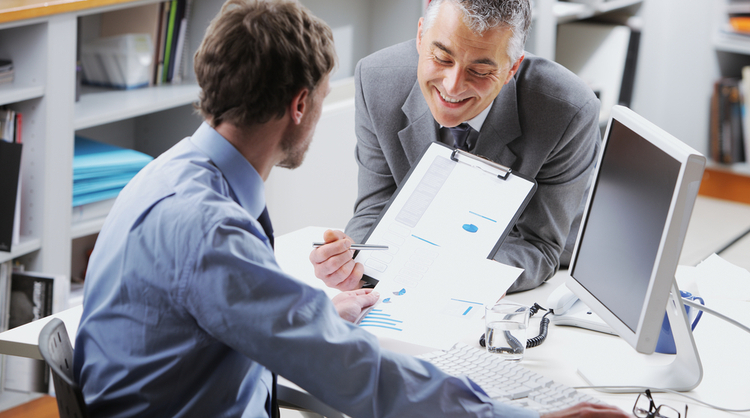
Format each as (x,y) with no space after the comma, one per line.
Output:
(544,124)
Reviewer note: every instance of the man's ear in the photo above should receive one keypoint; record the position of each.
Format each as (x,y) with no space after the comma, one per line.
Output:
(419,32)
(298,106)
(514,69)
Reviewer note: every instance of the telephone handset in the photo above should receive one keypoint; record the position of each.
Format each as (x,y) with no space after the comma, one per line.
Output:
(531,342)
(571,311)
(561,300)
(566,309)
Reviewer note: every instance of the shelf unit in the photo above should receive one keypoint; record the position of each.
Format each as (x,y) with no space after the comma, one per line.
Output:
(732,51)
(550,13)
(27,94)
(42,41)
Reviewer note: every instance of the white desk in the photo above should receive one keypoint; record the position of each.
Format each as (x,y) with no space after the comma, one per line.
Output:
(23,341)
(725,362)
(722,347)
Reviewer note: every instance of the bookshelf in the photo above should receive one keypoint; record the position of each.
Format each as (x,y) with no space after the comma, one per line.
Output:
(550,13)
(732,52)
(100,106)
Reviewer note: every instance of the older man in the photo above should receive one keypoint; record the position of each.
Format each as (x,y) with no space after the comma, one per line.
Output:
(468,69)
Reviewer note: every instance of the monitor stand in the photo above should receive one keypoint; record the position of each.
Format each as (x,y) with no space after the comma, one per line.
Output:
(684,373)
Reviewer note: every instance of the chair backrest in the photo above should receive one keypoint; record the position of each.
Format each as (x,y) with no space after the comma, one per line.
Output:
(57,352)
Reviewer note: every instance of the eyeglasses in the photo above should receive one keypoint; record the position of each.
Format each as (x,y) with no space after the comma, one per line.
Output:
(646,408)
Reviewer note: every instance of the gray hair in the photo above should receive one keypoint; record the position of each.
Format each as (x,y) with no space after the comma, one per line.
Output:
(482,15)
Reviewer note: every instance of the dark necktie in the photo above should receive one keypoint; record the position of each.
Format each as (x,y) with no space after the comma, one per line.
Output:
(460,135)
(265,222)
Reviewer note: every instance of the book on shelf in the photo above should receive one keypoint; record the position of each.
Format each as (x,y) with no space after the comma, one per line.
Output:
(174,58)
(745,96)
(101,170)
(164,13)
(173,26)
(93,210)
(10,160)
(10,176)
(180,56)
(735,7)
(727,134)
(31,297)
(8,122)
(740,24)
(164,23)
(6,269)
(6,71)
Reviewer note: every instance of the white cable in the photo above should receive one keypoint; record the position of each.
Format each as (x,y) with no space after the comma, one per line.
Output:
(704,308)
(638,388)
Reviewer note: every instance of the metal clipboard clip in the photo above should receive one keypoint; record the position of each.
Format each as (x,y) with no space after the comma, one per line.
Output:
(504,171)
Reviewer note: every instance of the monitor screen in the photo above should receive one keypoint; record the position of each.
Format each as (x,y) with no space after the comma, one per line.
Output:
(634,224)
(633,193)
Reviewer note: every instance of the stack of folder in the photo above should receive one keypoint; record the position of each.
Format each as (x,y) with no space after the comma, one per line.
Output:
(100,170)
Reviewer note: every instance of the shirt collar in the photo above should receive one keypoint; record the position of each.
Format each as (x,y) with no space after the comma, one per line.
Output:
(477,121)
(242,177)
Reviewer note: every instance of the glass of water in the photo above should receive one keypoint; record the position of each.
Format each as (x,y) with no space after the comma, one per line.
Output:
(505,325)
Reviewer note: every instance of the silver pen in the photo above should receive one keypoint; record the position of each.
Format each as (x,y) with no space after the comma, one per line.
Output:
(356,246)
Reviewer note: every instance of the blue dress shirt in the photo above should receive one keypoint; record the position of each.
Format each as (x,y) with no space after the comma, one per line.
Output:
(186,310)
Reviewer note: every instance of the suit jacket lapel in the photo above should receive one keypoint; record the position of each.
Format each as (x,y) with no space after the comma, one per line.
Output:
(422,129)
(500,128)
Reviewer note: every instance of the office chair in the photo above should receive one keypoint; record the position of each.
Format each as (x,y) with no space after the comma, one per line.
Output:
(57,352)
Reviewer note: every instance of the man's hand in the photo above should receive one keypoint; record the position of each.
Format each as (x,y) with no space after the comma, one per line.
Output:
(334,264)
(350,304)
(589,410)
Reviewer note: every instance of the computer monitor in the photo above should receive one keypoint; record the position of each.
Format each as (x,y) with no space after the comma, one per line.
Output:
(629,244)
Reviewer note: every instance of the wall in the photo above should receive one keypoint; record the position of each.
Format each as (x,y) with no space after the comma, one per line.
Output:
(322,191)
(676,67)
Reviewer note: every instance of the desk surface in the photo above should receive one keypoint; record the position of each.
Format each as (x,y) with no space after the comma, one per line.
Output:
(725,376)
(724,379)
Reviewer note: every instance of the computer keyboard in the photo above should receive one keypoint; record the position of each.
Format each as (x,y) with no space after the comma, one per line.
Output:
(506,381)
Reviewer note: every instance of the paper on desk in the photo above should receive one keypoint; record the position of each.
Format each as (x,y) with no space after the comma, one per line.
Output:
(439,310)
(717,278)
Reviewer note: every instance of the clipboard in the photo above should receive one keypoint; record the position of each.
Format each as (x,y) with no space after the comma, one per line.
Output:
(451,200)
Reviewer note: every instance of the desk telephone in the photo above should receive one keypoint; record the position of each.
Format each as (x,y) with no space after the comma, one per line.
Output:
(566,309)
(571,311)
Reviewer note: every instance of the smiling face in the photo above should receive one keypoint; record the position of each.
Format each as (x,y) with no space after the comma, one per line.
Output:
(460,73)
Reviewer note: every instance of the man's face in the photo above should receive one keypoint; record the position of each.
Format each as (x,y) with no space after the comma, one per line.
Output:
(461,73)
(296,142)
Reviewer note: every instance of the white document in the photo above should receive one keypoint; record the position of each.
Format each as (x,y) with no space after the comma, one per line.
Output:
(735,281)
(441,226)
(440,311)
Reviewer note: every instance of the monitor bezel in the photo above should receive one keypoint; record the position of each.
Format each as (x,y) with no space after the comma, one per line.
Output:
(653,306)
